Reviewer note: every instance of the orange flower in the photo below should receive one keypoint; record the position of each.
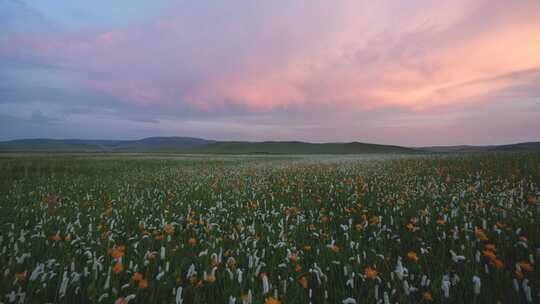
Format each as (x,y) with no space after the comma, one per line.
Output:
(143,284)
(298,268)
(409,226)
(120,301)
(374,220)
(490,255)
(440,222)
(192,242)
(106,234)
(168,229)
(497,263)
(294,257)
(524,265)
(116,252)
(137,276)
(308,248)
(490,247)
(20,276)
(56,237)
(500,225)
(427,296)
(210,278)
(531,200)
(117,268)
(272,300)
(412,256)
(370,273)
(480,235)
(303,281)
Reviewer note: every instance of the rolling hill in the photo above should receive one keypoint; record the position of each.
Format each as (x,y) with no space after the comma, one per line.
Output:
(519,147)
(296,147)
(195,145)
(150,144)
(203,146)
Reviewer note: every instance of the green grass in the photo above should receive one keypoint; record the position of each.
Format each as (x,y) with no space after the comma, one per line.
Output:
(269,215)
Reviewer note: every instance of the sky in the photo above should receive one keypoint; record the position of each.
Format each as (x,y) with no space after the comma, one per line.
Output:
(412,73)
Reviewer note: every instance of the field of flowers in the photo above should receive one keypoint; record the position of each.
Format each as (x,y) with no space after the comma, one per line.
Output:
(453,229)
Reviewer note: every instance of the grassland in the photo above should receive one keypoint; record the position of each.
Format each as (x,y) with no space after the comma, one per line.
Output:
(289,229)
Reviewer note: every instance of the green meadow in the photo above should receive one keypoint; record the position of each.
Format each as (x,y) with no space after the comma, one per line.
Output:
(100,228)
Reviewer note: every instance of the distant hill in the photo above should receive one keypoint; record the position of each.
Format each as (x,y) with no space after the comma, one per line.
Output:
(526,146)
(150,144)
(195,145)
(203,146)
(296,147)
(519,147)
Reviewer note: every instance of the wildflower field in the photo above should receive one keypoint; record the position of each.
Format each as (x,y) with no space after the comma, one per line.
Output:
(418,229)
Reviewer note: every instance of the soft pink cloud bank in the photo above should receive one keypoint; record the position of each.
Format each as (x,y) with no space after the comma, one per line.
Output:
(429,69)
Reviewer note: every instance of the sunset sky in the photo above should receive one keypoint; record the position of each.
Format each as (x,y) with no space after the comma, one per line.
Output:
(409,72)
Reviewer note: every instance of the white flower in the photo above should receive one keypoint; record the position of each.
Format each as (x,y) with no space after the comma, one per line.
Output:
(477,284)
(266,285)
(349,301)
(179,299)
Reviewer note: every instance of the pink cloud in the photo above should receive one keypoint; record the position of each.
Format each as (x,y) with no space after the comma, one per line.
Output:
(348,56)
